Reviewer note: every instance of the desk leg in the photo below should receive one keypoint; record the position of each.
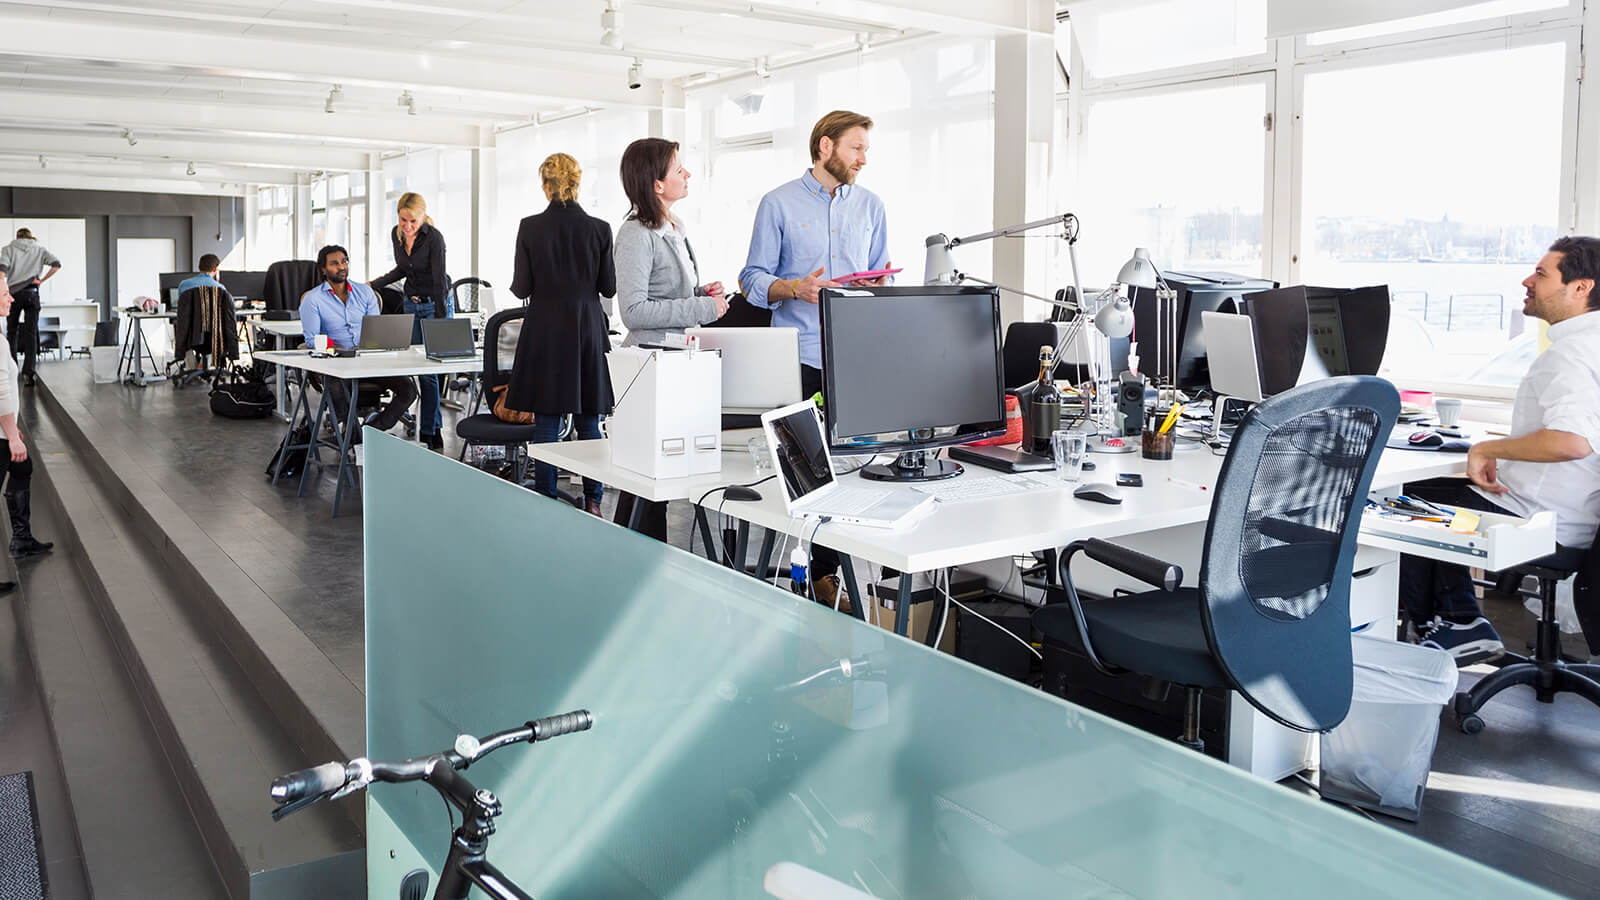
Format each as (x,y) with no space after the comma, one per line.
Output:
(702,525)
(288,438)
(314,443)
(847,582)
(741,546)
(764,557)
(936,624)
(347,433)
(634,513)
(902,606)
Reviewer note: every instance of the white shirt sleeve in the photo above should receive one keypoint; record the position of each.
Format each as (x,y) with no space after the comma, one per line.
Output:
(8,380)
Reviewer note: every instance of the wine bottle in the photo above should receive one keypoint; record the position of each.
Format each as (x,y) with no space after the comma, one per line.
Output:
(1044,404)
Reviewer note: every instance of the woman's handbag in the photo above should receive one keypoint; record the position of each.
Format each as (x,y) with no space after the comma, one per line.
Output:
(505,413)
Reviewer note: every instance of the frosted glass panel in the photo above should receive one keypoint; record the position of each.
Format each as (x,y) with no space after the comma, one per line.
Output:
(738,727)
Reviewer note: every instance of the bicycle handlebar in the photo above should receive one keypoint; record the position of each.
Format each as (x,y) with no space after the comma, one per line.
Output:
(297,790)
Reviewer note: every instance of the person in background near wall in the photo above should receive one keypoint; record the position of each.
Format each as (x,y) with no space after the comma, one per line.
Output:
(1549,462)
(18,471)
(419,259)
(658,278)
(336,308)
(23,263)
(208,266)
(563,268)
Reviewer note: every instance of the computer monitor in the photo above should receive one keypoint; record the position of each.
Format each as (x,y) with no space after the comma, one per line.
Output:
(170,280)
(245,285)
(760,366)
(909,370)
(1198,292)
(1283,335)
(1349,329)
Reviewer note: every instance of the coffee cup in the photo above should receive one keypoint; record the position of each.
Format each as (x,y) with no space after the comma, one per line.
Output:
(319,343)
(1448,409)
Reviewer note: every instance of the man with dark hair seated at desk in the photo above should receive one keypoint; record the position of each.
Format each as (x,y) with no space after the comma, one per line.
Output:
(208,266)
(1548,463)
(335,308)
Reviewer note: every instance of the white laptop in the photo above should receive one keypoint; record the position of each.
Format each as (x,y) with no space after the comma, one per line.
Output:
(811,490)
(760,366)
(1231,352)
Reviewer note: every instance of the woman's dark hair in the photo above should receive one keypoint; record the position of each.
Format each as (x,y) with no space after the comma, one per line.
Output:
(325,252)
(1580,258)
(644,163)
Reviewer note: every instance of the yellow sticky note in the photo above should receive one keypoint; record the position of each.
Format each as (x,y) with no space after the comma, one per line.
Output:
(1465,521)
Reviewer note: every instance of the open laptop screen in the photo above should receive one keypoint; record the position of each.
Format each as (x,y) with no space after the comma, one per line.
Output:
(801,456)
(447,336)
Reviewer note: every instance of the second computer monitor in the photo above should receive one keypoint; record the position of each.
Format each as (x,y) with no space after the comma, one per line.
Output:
(1197,293)
(911,368)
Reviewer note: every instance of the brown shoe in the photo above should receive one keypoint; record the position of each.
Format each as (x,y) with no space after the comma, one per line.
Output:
(827,590)
(592,507)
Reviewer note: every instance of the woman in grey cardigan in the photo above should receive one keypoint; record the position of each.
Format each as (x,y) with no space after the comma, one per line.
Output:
(658,280)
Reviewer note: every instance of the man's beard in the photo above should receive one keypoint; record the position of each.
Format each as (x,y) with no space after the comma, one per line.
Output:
(338,279)
(841,173)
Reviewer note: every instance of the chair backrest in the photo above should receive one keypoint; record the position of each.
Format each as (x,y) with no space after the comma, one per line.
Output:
(500,338)
(1586,596)
(287,281)
(105,333)
(468,294)
(1281,542)
(50,320)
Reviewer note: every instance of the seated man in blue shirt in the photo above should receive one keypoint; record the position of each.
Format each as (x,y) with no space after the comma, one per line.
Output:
(820,226)
(208,275)
(335,308)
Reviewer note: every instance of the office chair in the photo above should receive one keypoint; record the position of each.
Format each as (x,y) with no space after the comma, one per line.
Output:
(484,429)
(206,324)
(1546,671)
(1270,617)
(467,295)
(49,340)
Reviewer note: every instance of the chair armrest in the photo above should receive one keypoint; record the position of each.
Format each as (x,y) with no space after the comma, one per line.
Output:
(1157,573)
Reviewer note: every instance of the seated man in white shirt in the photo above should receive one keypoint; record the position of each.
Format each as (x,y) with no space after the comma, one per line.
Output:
(1548,463)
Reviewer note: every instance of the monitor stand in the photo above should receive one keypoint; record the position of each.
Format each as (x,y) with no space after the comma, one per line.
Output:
(913,465)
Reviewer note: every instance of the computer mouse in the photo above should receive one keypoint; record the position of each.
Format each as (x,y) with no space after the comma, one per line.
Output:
(740,492)
(1099,492)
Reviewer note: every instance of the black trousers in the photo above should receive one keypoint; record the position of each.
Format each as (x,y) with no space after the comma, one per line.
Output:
(1430,588)
(18,476)
(403,387)
(22,327)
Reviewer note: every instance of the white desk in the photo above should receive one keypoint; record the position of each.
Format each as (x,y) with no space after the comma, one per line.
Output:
(402,363)
(284,332)
(77,317)
(136,349)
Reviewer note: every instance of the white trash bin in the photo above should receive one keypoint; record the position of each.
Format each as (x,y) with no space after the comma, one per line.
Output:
(1379,757)
(103,360)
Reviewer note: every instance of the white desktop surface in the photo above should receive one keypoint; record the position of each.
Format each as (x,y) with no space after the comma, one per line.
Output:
(282,327)
(380,365)
(592,459)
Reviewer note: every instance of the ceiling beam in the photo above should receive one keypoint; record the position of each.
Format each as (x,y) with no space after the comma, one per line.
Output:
(963,17)
(303,158)
(37,178)
(389,131)
(170,169)
(351,63)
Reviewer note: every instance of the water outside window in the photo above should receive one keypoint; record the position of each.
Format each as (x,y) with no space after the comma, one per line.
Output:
(1452,217)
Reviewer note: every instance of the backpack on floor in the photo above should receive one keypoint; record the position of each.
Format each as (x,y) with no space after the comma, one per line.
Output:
(292,462)
(238,396)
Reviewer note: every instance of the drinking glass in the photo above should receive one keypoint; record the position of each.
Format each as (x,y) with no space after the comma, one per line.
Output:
(1068,448)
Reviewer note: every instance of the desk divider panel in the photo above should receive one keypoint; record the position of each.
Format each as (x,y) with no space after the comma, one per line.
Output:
(737,726)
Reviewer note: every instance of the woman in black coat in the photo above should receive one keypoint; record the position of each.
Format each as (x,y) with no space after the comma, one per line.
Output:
(563,268)
(419,259)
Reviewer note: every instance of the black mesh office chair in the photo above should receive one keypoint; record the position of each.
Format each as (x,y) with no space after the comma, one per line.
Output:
(1545,671)
(1271,615)
(467,295)
(482,428)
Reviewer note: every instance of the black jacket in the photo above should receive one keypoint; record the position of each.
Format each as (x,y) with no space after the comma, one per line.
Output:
(288,280)
(563,267)
(422,268)
(190,328)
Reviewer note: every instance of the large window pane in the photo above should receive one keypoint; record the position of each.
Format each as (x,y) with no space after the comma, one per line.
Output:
(1397,191)
(1180,173)
(1126,37)
(1476,12)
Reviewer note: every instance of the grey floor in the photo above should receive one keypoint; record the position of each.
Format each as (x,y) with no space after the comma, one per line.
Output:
(1523,796)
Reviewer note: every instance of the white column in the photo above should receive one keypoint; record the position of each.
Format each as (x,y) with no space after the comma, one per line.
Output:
(1585,217)
(488,245)
(1024,107)
(300,217)
(378,219)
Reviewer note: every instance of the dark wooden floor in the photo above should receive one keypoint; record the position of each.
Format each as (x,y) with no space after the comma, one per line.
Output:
(1523,796)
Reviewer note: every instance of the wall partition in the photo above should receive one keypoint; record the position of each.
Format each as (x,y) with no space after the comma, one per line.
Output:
(737,727)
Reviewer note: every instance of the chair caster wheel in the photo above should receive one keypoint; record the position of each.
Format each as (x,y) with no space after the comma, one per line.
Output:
(1470,724)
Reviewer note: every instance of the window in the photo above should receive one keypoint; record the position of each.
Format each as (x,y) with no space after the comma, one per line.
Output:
(1440,178)
(271,236)
(1180,172)
(1127,37)
(1477,12)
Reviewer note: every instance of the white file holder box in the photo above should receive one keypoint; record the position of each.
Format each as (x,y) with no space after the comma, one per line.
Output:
(668,417)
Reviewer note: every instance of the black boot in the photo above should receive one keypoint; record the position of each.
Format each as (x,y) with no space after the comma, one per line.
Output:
(23,543)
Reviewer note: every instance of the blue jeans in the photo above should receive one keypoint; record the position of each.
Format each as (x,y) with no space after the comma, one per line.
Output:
(1430,588)
(546,428)
(431,419)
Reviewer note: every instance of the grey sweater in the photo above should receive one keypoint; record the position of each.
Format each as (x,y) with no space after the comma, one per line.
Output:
(656,292)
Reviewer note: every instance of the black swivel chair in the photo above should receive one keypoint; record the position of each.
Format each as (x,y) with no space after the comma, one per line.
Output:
(1271,615)
(48,334)
(466,298)
(1546,671)
(484,429)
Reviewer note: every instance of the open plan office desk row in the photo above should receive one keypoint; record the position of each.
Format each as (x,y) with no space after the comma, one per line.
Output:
(1166,518)
(352,369)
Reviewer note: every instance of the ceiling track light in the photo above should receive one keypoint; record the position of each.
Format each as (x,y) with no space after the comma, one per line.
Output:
(127,135)
(334,95)
(41,160)
(611,27)
(762,69)
(190,170)
(863,43)
(636,74)
(409,102)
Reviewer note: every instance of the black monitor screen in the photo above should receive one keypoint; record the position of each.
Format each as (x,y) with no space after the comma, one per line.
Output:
(909,367)
(245,285)
(1198,293)
(1327,345)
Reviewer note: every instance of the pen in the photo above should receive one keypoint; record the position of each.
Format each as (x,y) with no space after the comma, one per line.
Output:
(1172,416)
(1187,483)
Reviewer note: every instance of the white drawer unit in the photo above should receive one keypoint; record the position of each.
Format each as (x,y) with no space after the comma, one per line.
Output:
(1499,542)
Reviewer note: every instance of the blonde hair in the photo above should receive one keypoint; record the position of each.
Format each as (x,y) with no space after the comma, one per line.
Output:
(561,175)
(411,200)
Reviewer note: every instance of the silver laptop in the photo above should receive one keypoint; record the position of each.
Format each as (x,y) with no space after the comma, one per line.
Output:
(386,332)
(1231,352)
(811,490)
(760,366)
(448,339)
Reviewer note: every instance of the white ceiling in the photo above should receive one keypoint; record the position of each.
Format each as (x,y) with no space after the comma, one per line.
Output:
(238,87)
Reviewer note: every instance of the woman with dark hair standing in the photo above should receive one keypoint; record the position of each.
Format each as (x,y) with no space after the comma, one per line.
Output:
(658,278)
(563,268)
(419,259)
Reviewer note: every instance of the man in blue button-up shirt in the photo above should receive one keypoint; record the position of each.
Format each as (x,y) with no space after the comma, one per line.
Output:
(820,226)
(335,308)
(208,266)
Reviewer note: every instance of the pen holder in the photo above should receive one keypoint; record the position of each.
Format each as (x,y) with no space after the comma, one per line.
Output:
(1155,444)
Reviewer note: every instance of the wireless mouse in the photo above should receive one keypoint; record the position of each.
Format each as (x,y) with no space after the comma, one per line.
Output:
(1099,492)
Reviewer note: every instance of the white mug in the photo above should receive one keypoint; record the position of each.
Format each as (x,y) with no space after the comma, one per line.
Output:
(1448,409)
(320,343)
